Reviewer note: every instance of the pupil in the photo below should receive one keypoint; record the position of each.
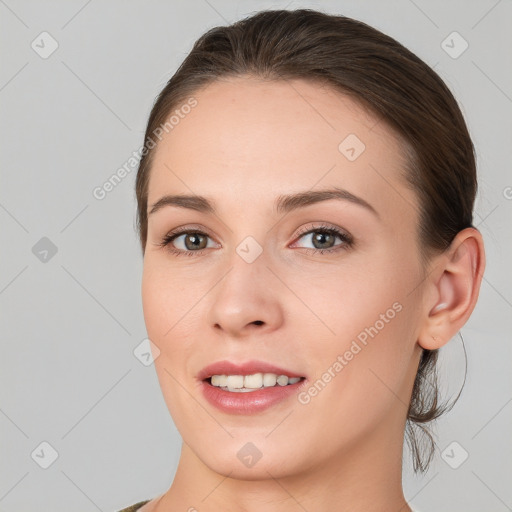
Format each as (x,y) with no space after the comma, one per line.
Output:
(319,236)
(195,243)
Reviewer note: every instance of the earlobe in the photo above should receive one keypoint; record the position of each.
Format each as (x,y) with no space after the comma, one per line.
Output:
(455,288)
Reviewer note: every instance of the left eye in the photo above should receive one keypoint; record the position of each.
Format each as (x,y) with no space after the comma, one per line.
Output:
(324,238)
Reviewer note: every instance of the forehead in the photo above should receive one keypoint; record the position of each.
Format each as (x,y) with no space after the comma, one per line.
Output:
(263,138)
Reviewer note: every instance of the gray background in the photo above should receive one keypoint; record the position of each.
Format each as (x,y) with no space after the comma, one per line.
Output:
(70,324)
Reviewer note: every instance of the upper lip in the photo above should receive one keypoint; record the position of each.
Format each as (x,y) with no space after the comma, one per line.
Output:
(247,368)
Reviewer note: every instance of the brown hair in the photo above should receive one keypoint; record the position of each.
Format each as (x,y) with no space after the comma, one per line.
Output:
(381,75)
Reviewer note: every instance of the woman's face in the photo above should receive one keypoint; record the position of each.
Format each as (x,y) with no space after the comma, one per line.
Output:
(254,282)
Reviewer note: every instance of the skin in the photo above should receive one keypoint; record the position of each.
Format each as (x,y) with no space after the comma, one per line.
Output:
(246,142)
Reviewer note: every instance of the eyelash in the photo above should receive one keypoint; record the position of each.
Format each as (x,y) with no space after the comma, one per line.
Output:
(344,237)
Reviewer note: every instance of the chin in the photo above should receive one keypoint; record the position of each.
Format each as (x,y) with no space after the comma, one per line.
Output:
(243,459)
(262,470)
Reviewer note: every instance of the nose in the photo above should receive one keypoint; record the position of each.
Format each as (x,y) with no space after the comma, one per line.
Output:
(246,299)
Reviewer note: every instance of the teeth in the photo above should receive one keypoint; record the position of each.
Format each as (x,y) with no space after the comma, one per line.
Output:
(282,380)
(254,381)
(219,380)
(247,383)
(235,382)
(269,379)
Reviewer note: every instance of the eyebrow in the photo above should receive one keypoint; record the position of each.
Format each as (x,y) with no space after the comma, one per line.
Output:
(283,203)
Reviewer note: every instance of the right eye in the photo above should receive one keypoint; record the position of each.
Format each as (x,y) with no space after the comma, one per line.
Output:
(192,243)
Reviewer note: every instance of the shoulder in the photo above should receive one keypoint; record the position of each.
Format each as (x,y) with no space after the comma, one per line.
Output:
(134,507)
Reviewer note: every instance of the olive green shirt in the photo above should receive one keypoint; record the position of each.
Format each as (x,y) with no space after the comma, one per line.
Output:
(136,506)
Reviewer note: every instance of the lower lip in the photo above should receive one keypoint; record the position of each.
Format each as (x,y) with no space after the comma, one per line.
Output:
(251,402)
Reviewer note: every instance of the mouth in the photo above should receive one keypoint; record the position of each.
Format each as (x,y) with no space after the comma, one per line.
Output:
(250,375)
(248,388)
(251,383)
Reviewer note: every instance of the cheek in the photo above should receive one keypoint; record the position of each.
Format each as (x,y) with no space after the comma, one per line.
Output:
(167,300)
(348,300)
(360,377)
(368,330)
(169,316)
(173,315)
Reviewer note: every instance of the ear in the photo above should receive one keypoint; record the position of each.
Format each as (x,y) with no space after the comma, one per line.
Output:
(453,289)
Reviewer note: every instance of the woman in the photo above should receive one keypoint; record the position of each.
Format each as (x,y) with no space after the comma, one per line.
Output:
(305,200)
